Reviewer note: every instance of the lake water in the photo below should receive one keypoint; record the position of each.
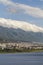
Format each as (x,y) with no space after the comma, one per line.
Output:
(22,59)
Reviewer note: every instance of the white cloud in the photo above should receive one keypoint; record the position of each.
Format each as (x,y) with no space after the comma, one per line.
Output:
(20,24)
(33,11)
(6,2)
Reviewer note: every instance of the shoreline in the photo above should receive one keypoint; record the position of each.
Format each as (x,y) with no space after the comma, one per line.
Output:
(22,52)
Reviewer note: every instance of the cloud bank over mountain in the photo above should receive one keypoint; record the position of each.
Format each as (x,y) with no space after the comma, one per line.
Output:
(12,30)
(20,24)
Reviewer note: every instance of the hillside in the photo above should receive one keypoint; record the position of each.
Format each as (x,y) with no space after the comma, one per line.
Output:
(12,30)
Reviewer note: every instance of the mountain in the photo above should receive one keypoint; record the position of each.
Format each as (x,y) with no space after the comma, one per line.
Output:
(12,30)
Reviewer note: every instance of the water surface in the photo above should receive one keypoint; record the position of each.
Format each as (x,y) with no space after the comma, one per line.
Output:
(22,59)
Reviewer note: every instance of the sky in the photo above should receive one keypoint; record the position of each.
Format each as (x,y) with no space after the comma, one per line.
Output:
(23,10)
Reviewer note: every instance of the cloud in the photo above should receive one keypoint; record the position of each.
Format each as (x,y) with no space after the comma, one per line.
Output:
(41,0)
(11,10)
(20,25)
(6,2)
(26,9)
(36,12)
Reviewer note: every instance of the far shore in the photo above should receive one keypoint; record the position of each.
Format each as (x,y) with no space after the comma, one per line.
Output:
(29,51)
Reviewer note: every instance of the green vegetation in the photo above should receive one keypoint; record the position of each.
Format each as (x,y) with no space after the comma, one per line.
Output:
(14,50)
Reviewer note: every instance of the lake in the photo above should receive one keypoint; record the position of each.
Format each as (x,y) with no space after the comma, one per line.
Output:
(22,59)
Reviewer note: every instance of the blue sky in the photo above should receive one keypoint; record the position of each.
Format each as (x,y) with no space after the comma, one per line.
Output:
(24,10)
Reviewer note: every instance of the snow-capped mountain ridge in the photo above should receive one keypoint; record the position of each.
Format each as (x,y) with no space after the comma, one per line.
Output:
(20,24)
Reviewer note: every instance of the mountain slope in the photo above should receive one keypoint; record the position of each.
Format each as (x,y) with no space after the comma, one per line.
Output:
(11,31)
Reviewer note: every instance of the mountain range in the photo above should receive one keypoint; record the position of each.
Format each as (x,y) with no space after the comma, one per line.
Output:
(13,31)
